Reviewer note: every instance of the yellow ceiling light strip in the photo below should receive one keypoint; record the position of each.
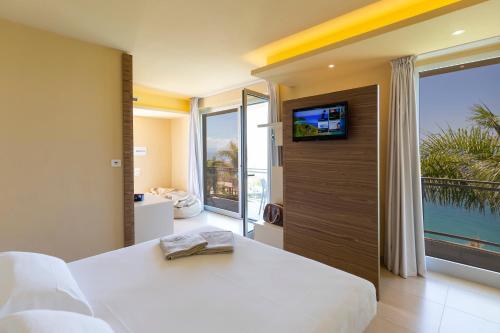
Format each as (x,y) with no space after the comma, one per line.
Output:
(156,99)
(356,23)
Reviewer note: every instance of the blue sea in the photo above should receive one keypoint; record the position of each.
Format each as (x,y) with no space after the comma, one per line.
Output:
(462,222)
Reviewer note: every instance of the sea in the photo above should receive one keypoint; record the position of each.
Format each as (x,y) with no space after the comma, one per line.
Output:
(463,222)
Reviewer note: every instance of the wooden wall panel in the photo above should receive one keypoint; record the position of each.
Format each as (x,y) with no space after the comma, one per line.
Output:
(128,150)
(331,187)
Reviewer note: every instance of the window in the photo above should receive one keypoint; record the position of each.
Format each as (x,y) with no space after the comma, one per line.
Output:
(460,162)
(221,161)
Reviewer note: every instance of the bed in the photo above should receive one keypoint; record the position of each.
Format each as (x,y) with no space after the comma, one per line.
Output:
(257,288)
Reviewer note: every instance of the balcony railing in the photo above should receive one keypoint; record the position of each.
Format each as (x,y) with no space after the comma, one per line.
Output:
(222,189)
(455,211)
(222,181)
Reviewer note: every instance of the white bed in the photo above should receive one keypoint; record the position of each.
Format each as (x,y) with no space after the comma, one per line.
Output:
(257,288)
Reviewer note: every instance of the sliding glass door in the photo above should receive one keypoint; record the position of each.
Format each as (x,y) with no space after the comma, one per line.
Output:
(221,162)
(460,163)
(256,160)
(236,160)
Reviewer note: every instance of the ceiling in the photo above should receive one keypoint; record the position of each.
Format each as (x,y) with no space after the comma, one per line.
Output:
(480,22)
(192,48)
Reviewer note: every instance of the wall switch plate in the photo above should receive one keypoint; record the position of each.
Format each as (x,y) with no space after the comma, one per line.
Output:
(137,172)
(116,163)
(140,151)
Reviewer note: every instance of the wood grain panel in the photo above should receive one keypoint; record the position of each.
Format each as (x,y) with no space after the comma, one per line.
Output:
(128,147)
(331,187)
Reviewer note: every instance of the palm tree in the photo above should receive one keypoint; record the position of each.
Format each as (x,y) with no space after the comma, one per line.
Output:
(230,153)
(231,156)
(485,118)
(461,154)
(471,154)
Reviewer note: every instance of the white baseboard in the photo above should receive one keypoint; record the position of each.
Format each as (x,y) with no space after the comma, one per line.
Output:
(462,271)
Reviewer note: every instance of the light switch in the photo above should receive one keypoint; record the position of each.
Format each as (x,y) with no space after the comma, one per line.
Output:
(140,151)
(137,172)
(116,163)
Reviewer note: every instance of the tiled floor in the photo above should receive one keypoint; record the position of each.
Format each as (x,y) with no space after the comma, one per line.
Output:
(438,303)
(209,218)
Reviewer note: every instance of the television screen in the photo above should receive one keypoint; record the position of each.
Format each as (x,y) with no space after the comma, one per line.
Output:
(320,122)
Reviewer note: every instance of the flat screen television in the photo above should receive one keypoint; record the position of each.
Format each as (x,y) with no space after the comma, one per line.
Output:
(323,122)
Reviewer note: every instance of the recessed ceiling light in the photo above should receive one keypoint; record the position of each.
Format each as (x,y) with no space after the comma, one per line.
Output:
(331,66)
(458,32)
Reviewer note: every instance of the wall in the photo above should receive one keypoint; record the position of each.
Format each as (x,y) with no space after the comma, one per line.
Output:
(380,75)
(465,56)
(61,124)
(328,217)
(156,99)
(156,165)
(180,152)
(230,97)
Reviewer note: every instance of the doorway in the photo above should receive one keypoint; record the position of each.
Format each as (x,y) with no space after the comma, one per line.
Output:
(236,163)
(221,162)
(256,161)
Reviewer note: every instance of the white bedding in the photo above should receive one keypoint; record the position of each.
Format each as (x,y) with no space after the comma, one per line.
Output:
(257,288)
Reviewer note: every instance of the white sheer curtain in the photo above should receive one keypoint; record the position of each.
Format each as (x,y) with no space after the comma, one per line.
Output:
(195,176)
(404,248)
(274,116)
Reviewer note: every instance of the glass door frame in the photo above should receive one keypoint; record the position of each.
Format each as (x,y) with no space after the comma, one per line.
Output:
(244,157)
(204,115)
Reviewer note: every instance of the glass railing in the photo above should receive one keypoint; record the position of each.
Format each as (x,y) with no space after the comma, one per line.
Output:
(257,192)
(222,188)
(462,220)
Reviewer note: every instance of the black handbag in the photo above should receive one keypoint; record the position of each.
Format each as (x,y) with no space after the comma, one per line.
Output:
(273,213)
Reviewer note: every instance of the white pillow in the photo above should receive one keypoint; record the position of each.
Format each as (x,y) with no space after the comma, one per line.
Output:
(35,281)
(49,321)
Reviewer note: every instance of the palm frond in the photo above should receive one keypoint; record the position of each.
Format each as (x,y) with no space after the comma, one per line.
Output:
(484,117)
(231,153)
(462,154)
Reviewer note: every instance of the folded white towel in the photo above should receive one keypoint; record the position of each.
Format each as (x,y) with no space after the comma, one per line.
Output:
(218,242)
(176,246)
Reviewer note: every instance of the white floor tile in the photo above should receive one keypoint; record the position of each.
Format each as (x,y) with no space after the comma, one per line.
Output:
(437,303)
(479,304)
(209,218)
(380,325)
(409,311)
(455,321)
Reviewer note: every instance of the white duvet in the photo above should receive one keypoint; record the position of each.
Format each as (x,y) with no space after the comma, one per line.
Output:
(257,288)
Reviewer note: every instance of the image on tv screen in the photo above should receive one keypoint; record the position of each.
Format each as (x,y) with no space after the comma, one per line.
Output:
(327,122)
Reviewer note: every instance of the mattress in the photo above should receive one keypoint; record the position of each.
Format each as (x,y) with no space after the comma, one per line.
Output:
(257,288)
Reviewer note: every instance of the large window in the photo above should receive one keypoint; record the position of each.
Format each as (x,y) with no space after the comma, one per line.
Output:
(460,162)
(221,161)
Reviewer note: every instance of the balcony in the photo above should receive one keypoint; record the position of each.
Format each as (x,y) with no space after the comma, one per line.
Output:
(462,221)
(222,189)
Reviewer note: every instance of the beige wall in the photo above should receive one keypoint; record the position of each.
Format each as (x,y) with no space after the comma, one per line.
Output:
(166,162)
(231,97)
(60,127)
(379,75)
(180,152)
(156,165)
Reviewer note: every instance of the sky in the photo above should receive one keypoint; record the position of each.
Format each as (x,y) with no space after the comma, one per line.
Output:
(446,99)
(223,128)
